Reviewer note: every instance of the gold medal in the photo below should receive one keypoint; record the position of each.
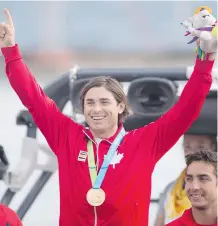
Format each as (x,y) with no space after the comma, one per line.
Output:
(95,197)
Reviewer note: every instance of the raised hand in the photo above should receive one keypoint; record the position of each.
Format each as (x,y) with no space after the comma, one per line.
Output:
(7,31)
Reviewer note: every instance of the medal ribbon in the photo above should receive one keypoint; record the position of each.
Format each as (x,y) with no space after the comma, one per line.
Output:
(98,179)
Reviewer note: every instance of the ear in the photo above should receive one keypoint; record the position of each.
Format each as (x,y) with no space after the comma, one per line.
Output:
(121,107)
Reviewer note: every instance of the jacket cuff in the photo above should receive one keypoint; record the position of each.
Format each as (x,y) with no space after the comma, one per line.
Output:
(204,66)
(11,53)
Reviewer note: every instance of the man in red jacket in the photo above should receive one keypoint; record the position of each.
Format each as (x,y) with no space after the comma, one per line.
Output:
(201,189)
(8,217)
(104,172)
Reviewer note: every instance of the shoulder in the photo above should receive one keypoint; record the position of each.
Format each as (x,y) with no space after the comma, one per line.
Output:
(9,216)
(185,219)
(176,222)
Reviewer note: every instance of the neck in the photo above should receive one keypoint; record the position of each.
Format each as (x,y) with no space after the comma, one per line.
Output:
(205,216)
(104,134)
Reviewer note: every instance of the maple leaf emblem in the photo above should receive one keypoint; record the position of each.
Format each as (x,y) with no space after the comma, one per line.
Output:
(116,159)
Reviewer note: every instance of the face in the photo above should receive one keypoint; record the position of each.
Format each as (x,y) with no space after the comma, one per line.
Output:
(203,19)
(194,143)
(201,185)
(101,109)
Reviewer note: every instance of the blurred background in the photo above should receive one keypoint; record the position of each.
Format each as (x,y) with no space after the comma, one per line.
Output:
(54,36)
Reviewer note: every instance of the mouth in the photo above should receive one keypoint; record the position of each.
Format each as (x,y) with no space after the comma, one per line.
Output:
(98,118)
(196,195)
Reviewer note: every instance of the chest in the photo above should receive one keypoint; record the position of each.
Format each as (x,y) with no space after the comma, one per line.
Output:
(128,161)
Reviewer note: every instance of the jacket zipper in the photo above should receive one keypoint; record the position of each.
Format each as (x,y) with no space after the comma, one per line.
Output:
(95,208)
(97,164)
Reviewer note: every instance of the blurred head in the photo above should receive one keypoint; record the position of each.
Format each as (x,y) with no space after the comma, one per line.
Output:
(104,104)
(201,179)
(203,17)
(195,143)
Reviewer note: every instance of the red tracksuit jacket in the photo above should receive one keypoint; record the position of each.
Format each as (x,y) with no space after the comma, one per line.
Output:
(186,220)
(128,184)
(8,217)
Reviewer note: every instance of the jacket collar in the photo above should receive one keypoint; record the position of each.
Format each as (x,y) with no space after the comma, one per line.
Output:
(187,218)
(89,135)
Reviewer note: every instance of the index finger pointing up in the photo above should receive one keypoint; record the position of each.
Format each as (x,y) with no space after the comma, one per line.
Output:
(8,17)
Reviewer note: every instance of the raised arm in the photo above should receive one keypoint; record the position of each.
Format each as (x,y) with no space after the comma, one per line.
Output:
(46,115)
(158,137)
(171,126)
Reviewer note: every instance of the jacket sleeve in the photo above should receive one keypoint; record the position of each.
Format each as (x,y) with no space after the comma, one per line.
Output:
(46,115)
(166,131)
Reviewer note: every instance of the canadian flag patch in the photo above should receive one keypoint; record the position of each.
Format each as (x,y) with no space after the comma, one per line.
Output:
(116,159)
(82,156)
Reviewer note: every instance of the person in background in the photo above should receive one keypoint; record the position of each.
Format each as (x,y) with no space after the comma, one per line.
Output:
(174,201)
(201,189)
(8,217)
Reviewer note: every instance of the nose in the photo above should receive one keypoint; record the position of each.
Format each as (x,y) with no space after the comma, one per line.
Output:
(97,107)
(195,185)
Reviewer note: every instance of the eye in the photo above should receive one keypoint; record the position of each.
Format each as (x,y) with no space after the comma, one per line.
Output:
(105,102)
(203,178)
(89,103)
(188,178)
